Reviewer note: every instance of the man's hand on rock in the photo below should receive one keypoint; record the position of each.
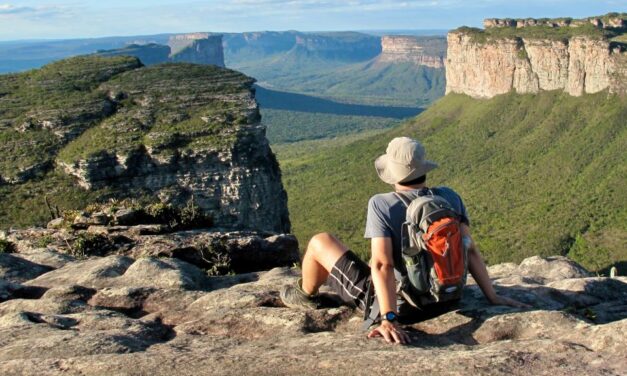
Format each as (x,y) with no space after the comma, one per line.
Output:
(503,300)
(391,332)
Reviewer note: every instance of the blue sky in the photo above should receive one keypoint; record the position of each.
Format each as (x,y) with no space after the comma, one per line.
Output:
(24,19)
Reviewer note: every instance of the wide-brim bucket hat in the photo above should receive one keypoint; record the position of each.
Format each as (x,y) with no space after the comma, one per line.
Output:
(403,161)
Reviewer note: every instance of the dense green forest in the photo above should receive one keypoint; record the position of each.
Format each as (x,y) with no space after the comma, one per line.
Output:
(372,82)
(540,174)
(291,126)
(291,117)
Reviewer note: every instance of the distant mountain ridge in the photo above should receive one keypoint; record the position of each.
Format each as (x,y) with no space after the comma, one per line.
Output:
(395,70)
(197,48)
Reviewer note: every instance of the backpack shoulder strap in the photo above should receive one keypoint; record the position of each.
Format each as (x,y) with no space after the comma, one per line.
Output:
(404,199)
(407,200)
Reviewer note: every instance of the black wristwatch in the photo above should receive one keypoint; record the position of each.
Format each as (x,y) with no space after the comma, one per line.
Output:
(390,316)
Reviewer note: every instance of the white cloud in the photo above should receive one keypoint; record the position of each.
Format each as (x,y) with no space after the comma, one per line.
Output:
(12,9)
(45,12)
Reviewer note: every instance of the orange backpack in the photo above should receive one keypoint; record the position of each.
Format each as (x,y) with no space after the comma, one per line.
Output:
(435,258)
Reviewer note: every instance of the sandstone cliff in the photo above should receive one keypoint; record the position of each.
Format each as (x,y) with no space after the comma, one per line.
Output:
(428,51)
(172,132)
(527,59)
(197,48)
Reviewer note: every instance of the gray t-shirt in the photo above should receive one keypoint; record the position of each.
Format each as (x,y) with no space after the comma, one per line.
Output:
(386,214)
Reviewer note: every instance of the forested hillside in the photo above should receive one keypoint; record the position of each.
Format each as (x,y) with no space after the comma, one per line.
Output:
(540,174)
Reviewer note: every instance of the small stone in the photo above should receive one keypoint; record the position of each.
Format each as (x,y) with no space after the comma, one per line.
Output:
(102,230)
(126,217)
(81,222)
(148,229)
(56,223)
(99,219)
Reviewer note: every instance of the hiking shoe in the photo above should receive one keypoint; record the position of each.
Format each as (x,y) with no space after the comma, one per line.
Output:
(293,296)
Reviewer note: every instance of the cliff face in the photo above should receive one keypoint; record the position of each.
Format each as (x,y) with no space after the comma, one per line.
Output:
(175,132)
(483,64)
(197,48)
(430,52)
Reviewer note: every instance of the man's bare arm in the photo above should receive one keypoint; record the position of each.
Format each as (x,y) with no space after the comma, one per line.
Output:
(382,268)
(479,272)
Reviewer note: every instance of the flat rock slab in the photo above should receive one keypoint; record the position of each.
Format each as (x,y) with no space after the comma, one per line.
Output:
(163,316)
(17,269)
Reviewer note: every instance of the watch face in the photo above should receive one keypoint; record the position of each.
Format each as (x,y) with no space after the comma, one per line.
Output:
(390,316)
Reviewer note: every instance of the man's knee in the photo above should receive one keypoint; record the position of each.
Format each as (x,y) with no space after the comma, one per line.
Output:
(326,248)
(321,241)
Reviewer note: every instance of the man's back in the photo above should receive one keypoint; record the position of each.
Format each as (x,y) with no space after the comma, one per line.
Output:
(386,214)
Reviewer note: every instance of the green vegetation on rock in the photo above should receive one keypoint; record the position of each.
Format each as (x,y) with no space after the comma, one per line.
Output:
(537,172)
(165,107)
(41,109)
(87,244)
(545,28)
(535,32)
(72,111)
(23,205)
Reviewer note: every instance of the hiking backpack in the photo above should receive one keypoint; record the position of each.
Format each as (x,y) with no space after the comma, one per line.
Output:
(435,259)
(434,254)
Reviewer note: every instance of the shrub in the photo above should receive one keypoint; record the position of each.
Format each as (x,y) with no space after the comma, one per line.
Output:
(87,244)
(217,258)
(191,216)
(44,241)
(162,213)
(6,246)
(69,216)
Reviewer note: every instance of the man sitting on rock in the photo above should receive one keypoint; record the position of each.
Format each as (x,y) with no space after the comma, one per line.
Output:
(326,258)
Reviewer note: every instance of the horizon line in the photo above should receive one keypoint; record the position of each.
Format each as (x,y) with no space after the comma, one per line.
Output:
(363,31)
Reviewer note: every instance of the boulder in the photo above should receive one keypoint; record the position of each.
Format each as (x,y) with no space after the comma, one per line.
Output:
(46,257)
(56,223)
(16,269)
(126,217)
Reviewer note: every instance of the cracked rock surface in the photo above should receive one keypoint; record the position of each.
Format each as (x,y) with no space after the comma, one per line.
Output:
(163,316)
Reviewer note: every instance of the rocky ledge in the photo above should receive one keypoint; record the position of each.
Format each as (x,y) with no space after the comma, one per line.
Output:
(163,316)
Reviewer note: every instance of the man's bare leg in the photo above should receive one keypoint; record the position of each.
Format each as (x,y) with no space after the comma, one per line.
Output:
(321,255)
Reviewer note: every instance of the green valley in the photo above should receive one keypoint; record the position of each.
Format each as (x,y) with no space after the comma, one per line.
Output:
(540,174)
